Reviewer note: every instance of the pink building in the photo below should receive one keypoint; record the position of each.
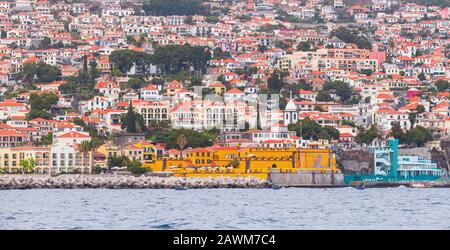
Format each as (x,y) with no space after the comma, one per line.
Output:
(412,92)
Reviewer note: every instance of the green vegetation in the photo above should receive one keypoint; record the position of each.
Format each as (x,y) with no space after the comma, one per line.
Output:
(417,136)
(305,46)
(343,90)
(440,3)
(421,76)
(173,7)
(284,16)
(138,42)
(68,88)
(133,122)
(172,59)
(125,59)
(275,82)
(309,129)
(244,18)
(39,72)
(218,53)
(136,83)
(295,87)
(442,85)
(27,165)
(367,136)
(86,128)
(190,138)
(46,139)
(367,72)
(133,166)
(324,96)
(212,19)
(41,104)
(352,36)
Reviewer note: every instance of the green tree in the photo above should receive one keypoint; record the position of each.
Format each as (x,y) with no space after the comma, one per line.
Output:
(421,76)
(417,136)
(45,43)
(396,131)
(47,139)
(125,59)
(194,139)
(306,128)
(174,7)
(27,165)
(39,114)
(135,167)
(173,59)
(352,36)
(85,147)
(324,96)
(218,53)
(412,118)
(41,71)
(367,136)
(275,81)
(117,161)
(40,105)
(420,109)
(329,133)
(157,81)
(182,141)
(305,46)
(442,85)
(341,88)
(136,83)
(133,122)
(367,72)
(234,163)
(43,101)
(93,72)
(212,19)
(67,88)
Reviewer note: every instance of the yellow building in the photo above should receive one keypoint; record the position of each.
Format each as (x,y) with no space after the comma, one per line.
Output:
(236,161)
(10,158)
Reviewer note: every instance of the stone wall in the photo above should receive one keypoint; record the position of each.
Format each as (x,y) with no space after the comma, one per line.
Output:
(307,179)
(355,161)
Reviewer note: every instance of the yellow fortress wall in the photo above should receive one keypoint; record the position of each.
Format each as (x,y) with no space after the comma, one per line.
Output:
(236,161)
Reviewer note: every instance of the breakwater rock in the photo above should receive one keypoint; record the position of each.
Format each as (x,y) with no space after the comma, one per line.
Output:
(123,182)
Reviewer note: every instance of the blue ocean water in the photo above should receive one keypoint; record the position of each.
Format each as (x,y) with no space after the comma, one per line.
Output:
(287,208)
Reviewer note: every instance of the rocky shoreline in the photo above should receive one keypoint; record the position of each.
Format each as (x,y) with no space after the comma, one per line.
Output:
(124,182)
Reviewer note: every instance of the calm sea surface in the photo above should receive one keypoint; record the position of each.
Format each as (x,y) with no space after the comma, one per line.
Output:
(289,208)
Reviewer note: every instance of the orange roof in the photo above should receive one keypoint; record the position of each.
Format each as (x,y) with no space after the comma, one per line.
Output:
(234,91)
(73,134)
(10,132)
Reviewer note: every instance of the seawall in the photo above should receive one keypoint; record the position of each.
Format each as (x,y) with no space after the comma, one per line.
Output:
(307,179)
(124,182)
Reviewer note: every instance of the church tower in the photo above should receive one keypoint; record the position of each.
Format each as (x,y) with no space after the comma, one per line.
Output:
(290,112)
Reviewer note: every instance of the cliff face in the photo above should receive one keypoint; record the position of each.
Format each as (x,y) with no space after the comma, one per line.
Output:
(441,157)
(355,161)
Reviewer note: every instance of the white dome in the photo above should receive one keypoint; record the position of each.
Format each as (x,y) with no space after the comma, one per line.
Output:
(291,106)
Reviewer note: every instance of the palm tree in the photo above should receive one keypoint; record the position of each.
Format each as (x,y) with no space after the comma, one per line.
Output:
(182,142)
(27,165)
(96,142)
(85,147)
